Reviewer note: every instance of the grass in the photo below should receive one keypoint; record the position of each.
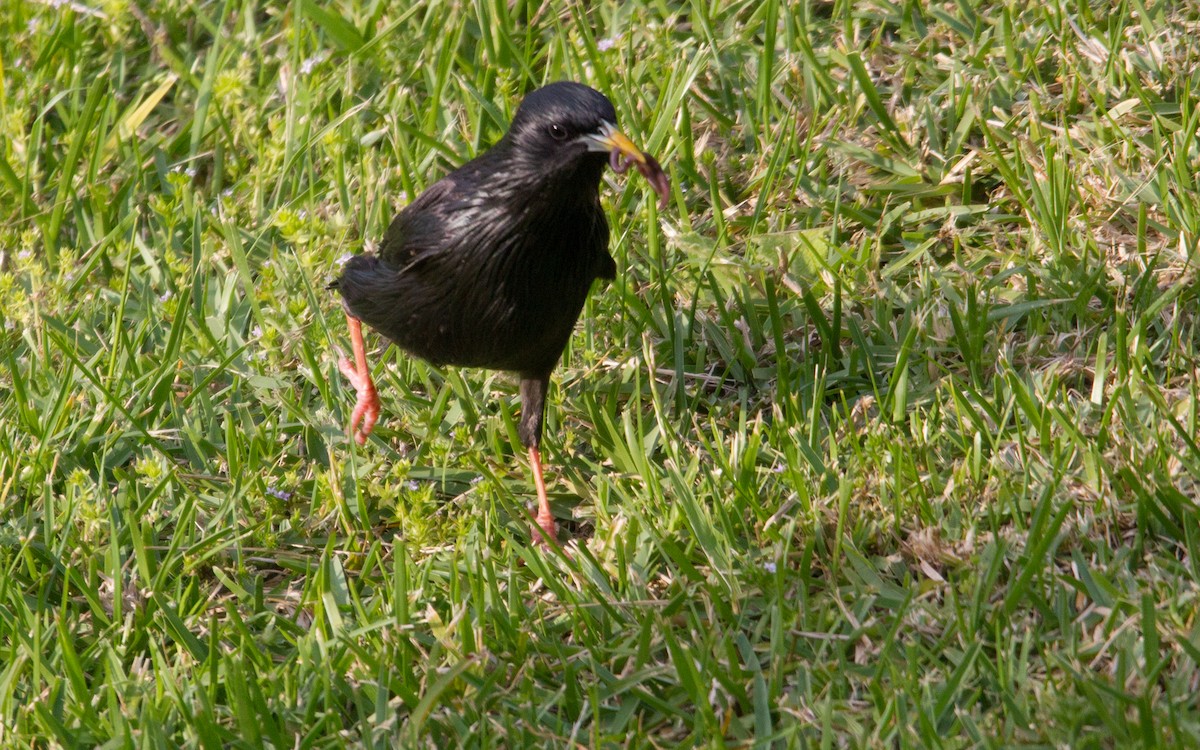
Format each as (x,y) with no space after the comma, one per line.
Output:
(884,436)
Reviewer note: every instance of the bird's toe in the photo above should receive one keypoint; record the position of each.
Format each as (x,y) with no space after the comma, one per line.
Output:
(366,406)
(366,414)
(545,530)
(346,366)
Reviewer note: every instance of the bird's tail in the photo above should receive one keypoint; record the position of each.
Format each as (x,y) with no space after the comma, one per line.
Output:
(369,287)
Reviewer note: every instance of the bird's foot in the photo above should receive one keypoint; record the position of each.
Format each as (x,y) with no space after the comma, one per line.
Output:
(545,530)
(366,408)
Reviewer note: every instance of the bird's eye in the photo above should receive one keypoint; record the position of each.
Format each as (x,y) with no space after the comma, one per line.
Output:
(558,132)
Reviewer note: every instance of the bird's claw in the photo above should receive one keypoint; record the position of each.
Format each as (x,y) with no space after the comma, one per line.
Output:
(366,407)
(545,535)
(545,530)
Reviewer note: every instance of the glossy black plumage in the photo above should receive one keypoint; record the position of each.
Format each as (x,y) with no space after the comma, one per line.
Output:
(491,265)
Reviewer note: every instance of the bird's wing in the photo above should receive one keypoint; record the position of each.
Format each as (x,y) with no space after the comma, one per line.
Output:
(468,214)
(419,229)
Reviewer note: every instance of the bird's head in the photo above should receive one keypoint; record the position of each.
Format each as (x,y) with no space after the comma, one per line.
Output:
(569,129)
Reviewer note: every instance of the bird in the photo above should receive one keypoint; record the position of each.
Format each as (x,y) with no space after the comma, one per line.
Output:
(490,266)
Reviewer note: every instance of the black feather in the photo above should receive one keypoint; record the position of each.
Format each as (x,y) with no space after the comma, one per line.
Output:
(490,266)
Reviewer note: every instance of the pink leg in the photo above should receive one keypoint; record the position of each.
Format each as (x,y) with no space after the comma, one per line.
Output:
(545,519)
(366,408)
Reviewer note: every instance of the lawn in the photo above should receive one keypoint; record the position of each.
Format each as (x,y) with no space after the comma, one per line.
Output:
(885,435)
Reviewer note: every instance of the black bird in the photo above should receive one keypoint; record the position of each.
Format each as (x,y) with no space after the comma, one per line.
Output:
(491,265)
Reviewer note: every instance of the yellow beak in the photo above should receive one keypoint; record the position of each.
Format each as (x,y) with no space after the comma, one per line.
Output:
(611,139)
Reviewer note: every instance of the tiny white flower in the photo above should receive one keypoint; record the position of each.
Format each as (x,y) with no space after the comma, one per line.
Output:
(164,296)
(344,259)
(769,567)
(607,43)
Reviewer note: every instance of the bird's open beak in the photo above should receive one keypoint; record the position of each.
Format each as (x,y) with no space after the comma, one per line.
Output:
(613,141)
(623,154)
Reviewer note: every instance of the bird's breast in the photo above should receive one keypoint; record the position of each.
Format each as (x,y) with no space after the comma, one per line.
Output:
(508,296)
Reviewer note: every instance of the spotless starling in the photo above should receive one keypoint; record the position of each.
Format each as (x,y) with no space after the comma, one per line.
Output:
(490,266)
